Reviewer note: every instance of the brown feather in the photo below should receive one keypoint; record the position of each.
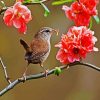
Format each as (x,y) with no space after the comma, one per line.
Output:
(25,45)
(39,48)
(39,45)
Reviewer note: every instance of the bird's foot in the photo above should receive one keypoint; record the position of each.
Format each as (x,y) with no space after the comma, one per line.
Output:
(24,77)
(46,72)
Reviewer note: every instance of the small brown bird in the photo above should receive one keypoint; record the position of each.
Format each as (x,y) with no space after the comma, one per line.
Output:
(39,49)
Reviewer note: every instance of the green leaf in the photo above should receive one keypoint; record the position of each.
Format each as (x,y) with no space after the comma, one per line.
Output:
(91,23)
(3,4)
(97,19)
(47,12)
(26,1)
(35,0)
(31,1)
(57,71)
(60,2)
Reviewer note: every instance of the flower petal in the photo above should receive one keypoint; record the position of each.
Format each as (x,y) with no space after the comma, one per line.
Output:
(23,28)
(8,17)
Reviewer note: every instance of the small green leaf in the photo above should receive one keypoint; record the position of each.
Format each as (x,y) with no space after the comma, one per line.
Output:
(97,19)
(31,1)
(60,2)
(3,4)
(91,23)
(47,12)
(26,1)
(35,0)
(57,71)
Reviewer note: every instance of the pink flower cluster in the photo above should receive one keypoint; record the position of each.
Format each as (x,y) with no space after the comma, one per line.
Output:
(79,40)
(18,16)
(76,44)
(81,11)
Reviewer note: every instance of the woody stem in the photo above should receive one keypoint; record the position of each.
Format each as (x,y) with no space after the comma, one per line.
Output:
(5,71)
(41,75)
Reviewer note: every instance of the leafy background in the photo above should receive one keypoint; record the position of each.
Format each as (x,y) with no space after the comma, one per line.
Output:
(77,83)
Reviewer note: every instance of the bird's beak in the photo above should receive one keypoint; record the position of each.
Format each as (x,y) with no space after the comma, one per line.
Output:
(55,31)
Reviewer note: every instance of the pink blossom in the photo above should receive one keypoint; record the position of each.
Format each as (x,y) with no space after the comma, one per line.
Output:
(18,16)
(76,44)
(81,11)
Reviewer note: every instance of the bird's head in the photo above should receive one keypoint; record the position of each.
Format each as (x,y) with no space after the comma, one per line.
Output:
(46,32)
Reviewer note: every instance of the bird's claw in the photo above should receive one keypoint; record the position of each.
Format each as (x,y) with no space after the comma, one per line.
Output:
(24,77)
(46,72)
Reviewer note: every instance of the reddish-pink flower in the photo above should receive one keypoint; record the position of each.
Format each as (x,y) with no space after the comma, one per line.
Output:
(18,16)
(19,0)
(81,11)
(90,5)
(76,44)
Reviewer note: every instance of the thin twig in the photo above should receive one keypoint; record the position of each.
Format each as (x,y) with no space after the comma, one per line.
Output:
(5,71)
(41,75)
(32,3)
(2,10)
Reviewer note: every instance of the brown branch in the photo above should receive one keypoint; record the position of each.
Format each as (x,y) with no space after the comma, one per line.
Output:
(2,10)
(41,75)
(5,71)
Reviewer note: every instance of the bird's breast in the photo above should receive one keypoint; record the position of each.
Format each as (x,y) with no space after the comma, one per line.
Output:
(40,51)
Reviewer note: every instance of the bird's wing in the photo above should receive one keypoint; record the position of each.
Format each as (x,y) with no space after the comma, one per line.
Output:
(39,48)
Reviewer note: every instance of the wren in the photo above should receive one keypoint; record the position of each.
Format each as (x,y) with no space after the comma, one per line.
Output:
(39,49)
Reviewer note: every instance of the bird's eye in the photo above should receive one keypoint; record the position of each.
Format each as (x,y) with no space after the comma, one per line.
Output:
(47,30)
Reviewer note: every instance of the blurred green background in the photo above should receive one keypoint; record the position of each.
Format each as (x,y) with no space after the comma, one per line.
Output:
(77,83)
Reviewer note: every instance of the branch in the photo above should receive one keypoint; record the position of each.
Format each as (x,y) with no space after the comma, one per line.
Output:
(2,10)
(41,75)
(35,2)
(5,71)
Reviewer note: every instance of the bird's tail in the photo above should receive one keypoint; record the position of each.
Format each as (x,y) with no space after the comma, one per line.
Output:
(25,45)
